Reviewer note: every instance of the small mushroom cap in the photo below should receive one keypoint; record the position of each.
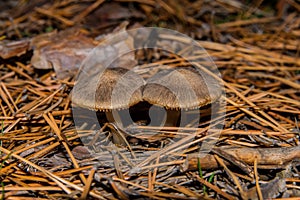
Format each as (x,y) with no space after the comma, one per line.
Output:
(183,88)
(117,88)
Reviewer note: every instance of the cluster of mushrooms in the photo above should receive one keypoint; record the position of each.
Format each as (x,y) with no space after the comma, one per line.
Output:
(174,89)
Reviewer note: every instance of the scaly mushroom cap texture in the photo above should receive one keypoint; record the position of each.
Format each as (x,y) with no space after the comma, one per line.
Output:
(183,88)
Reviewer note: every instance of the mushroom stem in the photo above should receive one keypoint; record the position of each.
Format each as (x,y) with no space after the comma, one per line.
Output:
(173,118)
(109,116)
(114,117)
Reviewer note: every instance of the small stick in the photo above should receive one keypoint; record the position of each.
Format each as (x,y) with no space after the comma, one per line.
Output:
(87,11)
(55,16)
(267,158)
(256,180)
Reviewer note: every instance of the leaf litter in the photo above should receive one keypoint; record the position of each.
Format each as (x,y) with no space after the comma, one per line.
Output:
(256,48)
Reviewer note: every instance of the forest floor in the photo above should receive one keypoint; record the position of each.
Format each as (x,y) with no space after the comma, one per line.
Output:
(251,139)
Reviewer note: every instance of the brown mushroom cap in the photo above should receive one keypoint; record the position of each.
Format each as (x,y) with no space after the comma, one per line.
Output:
(117,88)
(183,88)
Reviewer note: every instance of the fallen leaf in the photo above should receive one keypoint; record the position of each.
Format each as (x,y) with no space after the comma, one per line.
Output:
(10,49)
(63,51)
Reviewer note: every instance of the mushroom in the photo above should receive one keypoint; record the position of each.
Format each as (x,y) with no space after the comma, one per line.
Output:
(183,88)
(117,89)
